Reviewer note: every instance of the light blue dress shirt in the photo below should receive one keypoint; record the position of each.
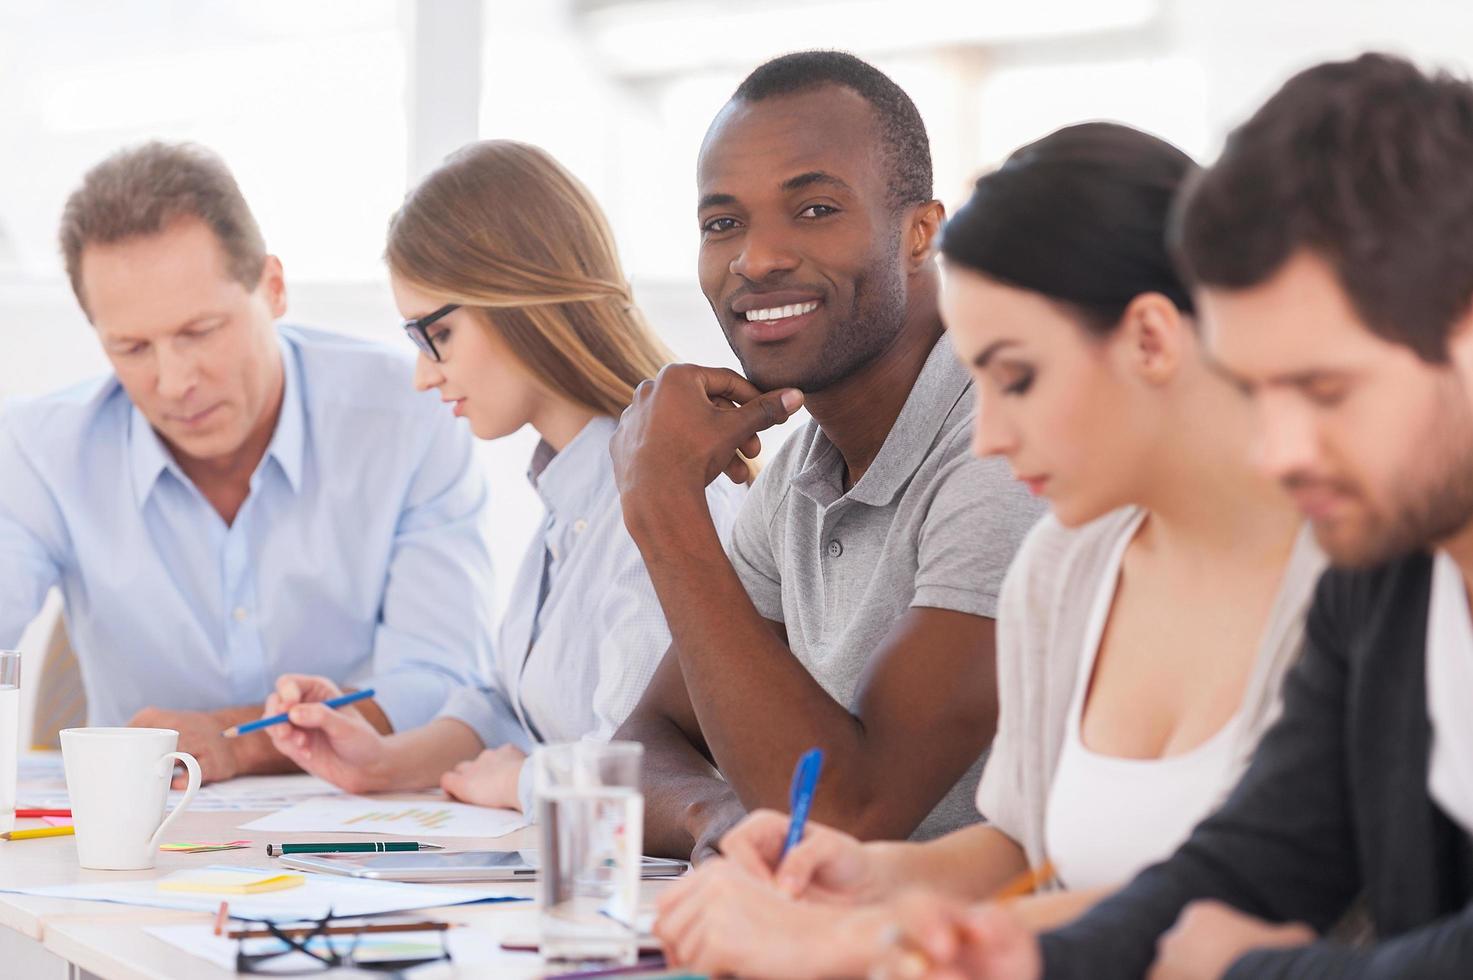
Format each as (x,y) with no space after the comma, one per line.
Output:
(583,631)
(358,555)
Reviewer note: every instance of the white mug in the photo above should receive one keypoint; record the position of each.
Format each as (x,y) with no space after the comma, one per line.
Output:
(118,780)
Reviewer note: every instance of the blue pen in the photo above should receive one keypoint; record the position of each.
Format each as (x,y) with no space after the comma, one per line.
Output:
(260,723)
(805,782)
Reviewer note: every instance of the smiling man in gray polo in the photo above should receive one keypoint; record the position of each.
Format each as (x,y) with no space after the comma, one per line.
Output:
(854,611)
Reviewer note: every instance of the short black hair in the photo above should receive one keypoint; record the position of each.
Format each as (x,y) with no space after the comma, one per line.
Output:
(1365,163)
(1080,217)
(906,147)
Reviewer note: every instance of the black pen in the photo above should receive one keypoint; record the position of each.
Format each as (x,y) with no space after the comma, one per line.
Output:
(371,847)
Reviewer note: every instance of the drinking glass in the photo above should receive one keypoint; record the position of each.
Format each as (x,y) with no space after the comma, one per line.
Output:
(9,735)
(590,817)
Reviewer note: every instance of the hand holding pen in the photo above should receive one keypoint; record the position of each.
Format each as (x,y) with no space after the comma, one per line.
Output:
(337,744)
(707,919)
(824,864)
(800,796)
(284,717)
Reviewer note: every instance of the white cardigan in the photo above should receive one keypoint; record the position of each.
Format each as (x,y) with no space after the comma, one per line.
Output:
(1043,616)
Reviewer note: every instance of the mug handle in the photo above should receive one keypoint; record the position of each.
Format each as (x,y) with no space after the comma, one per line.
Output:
(166,763)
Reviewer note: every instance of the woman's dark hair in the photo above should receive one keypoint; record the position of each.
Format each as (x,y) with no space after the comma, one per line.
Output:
(1079,216)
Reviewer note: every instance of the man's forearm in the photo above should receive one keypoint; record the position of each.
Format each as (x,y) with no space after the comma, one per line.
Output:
(735,668)
(686,800)
(1443,948)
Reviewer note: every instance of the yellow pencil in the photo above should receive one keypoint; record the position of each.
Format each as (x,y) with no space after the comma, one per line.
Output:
(39,832)
(1025,884)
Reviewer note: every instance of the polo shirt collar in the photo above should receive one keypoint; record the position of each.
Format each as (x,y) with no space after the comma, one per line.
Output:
(941,385)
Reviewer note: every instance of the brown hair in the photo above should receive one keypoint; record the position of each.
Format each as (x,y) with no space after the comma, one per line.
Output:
(1367,164)
(139,190)
(500,227)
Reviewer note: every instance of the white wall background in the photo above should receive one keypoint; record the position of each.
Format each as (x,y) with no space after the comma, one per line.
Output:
(313,103)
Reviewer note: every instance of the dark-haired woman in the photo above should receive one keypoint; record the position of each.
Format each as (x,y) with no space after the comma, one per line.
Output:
(1144,628)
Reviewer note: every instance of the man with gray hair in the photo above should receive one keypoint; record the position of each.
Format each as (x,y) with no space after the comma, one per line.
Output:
(236,500)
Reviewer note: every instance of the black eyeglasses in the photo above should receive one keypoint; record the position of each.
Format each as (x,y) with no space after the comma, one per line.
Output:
(421,337)
(292,949)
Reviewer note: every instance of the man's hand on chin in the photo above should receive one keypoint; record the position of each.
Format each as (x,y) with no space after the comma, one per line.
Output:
(199,735)
(687,426)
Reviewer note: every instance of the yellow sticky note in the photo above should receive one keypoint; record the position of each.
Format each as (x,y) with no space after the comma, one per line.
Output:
(230,882)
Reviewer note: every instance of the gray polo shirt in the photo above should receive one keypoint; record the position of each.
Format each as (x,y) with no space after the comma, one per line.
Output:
(927,525)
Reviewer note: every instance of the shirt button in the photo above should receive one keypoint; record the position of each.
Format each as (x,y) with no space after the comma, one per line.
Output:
(579,526)
(239,614)
(835,548)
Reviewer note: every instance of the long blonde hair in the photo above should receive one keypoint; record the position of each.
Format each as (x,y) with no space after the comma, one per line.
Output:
(503,229)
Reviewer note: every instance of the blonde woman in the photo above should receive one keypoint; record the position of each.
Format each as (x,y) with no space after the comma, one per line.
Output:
(507,274)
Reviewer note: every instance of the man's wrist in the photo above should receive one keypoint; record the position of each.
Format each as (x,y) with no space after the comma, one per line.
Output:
(660,520)
(240,750)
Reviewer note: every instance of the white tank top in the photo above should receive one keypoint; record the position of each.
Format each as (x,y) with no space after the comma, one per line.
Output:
(1109,818)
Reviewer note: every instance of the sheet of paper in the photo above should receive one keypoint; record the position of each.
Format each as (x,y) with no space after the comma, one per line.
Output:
(477,950)
(45,786)
(343,896)
(260,793)
(362,815)
(39,764)
(40,780)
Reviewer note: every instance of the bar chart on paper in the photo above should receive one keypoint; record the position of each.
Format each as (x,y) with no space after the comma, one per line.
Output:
(363,815)
(427,818)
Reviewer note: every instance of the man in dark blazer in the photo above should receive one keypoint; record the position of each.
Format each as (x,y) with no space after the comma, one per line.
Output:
(1331,248)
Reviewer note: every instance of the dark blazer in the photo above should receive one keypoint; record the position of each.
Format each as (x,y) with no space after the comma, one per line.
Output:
(1334,805)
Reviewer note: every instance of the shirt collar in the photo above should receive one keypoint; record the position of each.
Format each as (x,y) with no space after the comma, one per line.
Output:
(289,442)
(149,457)
(941,385)
(566,480)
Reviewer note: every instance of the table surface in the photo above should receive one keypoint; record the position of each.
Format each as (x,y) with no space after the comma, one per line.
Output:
(110,940)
